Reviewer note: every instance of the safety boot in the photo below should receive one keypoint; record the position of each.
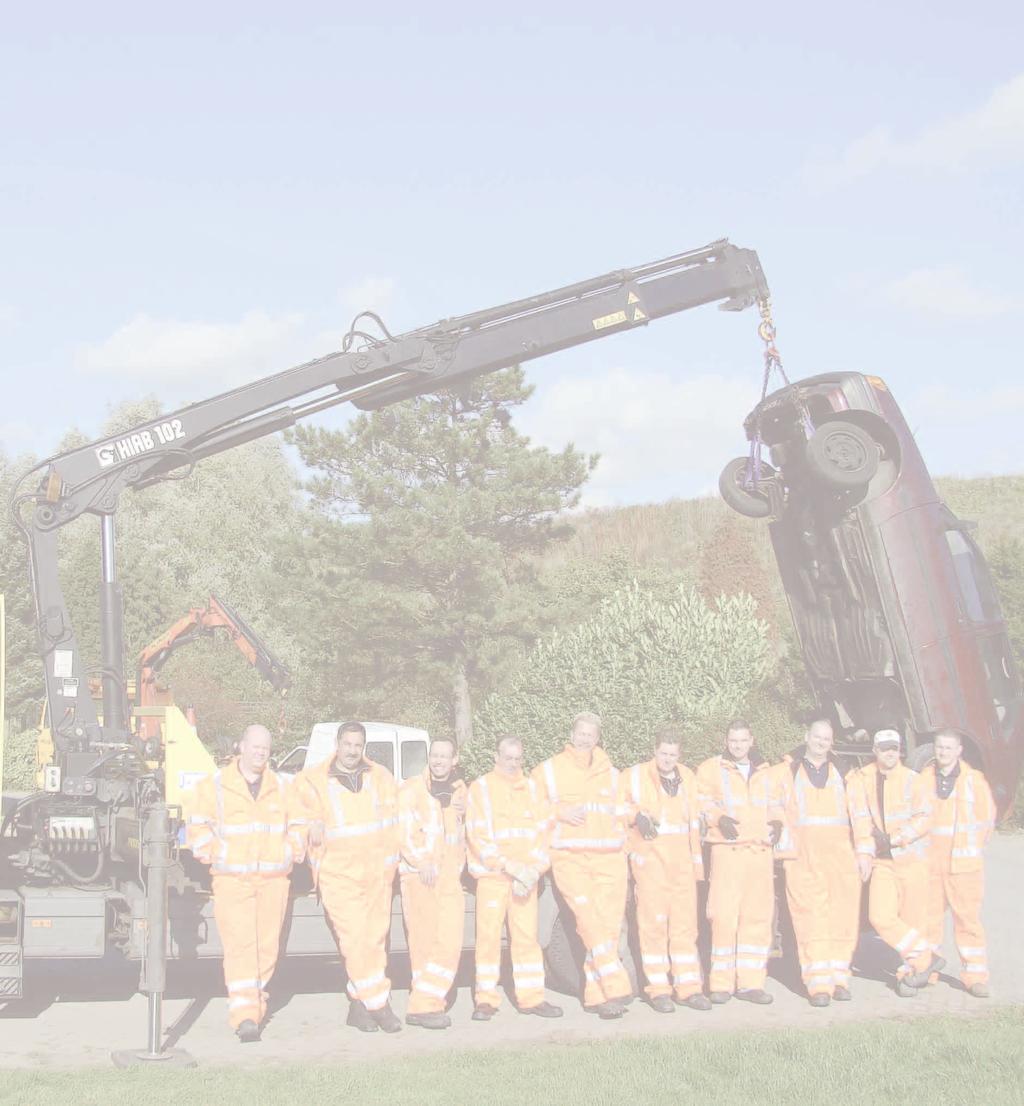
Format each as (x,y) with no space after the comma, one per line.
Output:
(923,978)
(904,990)
(842,994)
(819,1000)
(695,1002)
(483,1012)
(248,1032)
(979,990)
(756,995)
(720,998)
(386,1019)
(542,1010)
(608,1011)
(359,1018)
(432,1020)
(662,1004)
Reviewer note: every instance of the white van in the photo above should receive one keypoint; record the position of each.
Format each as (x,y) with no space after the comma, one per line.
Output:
(402,750)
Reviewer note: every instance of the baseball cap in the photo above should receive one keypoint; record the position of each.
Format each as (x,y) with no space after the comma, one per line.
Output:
(887,739)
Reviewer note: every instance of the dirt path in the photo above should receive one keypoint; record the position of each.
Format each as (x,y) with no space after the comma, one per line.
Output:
(66,1026)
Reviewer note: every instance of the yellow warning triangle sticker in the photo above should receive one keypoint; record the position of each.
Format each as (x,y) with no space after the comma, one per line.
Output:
(633,298)
(638,316)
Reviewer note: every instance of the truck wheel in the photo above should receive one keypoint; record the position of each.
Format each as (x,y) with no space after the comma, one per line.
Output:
(842,455)
(564,968)
(746,501)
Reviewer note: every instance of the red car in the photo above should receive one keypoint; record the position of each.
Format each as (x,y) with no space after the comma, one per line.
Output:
(898,619)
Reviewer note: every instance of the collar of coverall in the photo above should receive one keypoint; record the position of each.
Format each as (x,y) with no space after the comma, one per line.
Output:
(240,782)
(599,758)
(754,757)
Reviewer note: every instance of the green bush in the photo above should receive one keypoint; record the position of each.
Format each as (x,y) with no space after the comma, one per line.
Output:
(639,661)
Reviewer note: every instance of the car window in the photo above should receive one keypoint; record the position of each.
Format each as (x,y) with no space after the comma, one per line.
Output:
(382,753)
(414,757)
(293,761)
(980,602)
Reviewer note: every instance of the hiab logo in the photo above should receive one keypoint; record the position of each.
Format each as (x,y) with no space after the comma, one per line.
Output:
(142,441)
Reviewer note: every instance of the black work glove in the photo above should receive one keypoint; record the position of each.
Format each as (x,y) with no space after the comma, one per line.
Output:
(647,826)
(727,827)
(776,834)
(882,841)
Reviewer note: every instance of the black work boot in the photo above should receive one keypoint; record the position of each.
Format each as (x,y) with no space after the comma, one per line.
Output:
(757,995)
(386,1019)
(248,1032)
(819,1000)
(720,998)
(695,1002)
(662,1004)
(542,1010)
(842,994)
(483,1012)
(359,1018)
(432,1020)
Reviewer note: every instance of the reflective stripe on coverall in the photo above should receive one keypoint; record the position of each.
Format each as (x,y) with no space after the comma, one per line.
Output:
(355,869)
(506,825)
(741,895)
(898,892)
(961,827)
(822,880)
(589,862)
(434,916)
(665,874)
(250,845)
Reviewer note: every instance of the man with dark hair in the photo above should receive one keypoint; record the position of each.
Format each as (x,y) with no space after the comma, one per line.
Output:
(506,830)
(432,809)
(744,820)
(351,806)
(962,822)
(822,877)
(665,858)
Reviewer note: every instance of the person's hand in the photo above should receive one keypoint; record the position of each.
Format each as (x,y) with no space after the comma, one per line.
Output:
(459,801)
(865,864)
(574,815)
(428,874)
(647,826)
(316,834)
(728,827)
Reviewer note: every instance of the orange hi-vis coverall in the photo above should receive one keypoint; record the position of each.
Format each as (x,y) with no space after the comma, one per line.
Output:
(250,845)
(741,895)
(506,830)
(434,916)
(898,893)
(589,862)
(822,879)
(355,869)
(961,827)
(665,874)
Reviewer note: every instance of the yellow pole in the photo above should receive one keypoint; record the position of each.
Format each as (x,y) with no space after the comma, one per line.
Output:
(3,687)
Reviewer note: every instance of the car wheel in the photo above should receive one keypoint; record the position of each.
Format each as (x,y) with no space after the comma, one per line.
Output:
(921,756)
(746,501)
(842,455)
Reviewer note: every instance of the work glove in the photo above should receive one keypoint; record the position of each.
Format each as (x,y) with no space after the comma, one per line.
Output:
(647,826)
(727,827)
(524,879)
(882,840)
(776,832)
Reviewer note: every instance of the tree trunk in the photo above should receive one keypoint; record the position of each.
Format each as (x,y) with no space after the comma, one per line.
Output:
(463,704)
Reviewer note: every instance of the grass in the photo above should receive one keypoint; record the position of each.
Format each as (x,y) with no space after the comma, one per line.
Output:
(949,1060)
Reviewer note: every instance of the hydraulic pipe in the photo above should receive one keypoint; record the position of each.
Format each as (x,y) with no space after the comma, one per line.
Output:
(111,635)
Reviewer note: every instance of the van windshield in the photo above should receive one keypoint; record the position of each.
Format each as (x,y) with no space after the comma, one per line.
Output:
(976,587)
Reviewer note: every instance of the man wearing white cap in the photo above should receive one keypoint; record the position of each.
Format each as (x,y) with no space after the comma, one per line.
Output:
(891,813)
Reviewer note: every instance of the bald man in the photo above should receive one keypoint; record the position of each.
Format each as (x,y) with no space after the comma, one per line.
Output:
(239,825)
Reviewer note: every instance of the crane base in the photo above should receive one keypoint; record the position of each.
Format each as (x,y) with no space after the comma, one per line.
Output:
(139,1057)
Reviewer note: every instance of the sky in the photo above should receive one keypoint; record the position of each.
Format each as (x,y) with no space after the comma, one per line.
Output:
(193,196)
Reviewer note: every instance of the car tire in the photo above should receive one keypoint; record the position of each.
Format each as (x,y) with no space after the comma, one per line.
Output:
(921,756)
(842,455)
(750,504)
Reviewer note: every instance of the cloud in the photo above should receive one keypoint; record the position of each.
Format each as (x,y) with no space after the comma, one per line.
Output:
(945,290)
(659,436)
(940,405)
(8,316)
(372,293)
(989,135)
(168,352)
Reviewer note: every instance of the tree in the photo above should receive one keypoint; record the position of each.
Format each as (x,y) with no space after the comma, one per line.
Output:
(639,661)
(437,507)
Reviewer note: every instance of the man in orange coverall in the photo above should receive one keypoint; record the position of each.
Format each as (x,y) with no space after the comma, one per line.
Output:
(891,810)
(238,823)
(506,830)
(962,822)
(666,861)
(744,820)
(822,877)
(351,806)
(431,814)
(588,858)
